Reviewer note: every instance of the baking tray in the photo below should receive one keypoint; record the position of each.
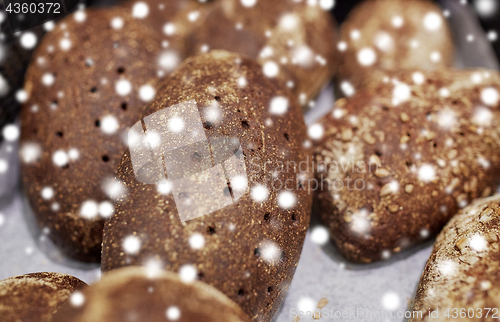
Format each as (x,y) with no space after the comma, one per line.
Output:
(350,292)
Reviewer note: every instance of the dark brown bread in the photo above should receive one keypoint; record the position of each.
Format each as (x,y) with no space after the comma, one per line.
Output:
(392,35)
(463,269)
(175,20)
(15,53)
(248,250)
(293,40)
(155,296)
(84,86)
(35,297)
(403,156)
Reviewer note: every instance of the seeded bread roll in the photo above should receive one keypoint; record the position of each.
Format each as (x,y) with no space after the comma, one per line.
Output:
(462,271)
(87,83)
(250,247)
(391,35)
(35,297)
(292,40)
(149,295)
(398,159)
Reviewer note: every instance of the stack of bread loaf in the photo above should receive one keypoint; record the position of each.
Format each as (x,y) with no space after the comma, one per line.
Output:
(235,104)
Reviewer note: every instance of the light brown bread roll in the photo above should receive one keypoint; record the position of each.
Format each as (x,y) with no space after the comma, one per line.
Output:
(35,297)
(461,280)
(382,36)
(136,294)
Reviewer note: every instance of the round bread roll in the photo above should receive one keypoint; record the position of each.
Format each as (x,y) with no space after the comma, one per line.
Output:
(35,297)
(397,160)
(88,82)
(292,40)
(391,35)
(136,294)
(250,247)
(463,269)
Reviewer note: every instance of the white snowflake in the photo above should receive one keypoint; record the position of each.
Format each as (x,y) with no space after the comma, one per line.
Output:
(426,173)
(286,199)
(188,273)
(109,124)
(140,10)
(391,301)
(89,209)
(65,44)
(28,40)
(367,56)
(10,132)
(259,193)
(432,21)
(30,152)
(270,252)
(320,235)
(316,131)
(47,193)
(278,105)
(169,60)
(271,69)
(123,87)
(60,158)
(131,245)
(77,299)
(197,241)
(117,23)
(176,124)
(106,209)
(4,166)
(248,3)
(490,96)
(173,313)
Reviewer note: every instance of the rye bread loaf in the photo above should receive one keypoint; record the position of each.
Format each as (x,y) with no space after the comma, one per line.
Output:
(249,249)
(87,83)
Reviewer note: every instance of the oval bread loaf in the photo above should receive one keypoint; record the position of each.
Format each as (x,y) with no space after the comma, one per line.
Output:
(398,159)
(87,83)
